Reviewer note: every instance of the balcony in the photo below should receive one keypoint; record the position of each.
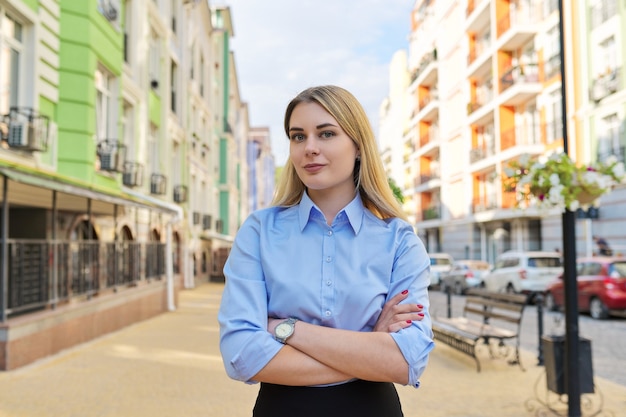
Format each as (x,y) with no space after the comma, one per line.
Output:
(482,152)
(518,27)
(477,15)
(132,175)
(485,203)
(181,193)
(158,184)
(519,84)
(23,129)
(428,106)
(112,155)
(425,73)
(605,84)
(432,212)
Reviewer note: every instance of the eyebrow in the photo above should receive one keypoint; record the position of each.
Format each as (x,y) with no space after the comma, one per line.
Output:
(323,125)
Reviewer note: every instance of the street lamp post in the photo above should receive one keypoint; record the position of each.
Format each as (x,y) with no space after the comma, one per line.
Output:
(569,265)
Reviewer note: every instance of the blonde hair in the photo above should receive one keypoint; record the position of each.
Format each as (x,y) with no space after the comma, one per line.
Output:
(370,178)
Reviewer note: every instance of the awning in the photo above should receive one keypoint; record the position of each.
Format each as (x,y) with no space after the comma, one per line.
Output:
(35,190)
(208,235)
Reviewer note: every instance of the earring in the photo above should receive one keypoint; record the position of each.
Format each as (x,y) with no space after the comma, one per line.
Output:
(358,158)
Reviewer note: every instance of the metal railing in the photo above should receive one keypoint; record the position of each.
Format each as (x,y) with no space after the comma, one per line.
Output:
(44,273)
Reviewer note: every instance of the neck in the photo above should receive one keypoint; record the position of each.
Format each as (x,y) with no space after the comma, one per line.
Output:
(330,202)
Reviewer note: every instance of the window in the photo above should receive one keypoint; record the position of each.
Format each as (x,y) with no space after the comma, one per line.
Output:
(128,22)
(174,12)
(553,52)
(109,9)
(609,143)
(153,149)
(154,60)
(11,48)
(201,75)
(173,85)
(554,120)
(608,56)
(128,126)
(104,116)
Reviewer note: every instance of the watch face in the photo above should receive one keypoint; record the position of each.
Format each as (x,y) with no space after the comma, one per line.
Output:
(283,330)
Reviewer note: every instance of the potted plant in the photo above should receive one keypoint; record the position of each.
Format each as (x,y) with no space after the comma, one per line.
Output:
(559,182)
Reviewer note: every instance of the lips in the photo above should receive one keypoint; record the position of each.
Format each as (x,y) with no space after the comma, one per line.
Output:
(313,167)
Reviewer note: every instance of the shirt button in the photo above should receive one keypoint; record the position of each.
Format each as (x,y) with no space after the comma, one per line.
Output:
(328,259)
(329,282)
(328,313)
(330,233)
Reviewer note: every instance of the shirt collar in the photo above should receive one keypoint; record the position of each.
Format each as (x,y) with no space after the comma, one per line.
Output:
(354,211)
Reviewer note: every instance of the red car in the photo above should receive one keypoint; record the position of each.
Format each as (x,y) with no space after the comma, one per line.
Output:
(601,287)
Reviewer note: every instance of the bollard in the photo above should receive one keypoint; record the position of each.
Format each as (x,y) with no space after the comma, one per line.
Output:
(539,303)
(449,300)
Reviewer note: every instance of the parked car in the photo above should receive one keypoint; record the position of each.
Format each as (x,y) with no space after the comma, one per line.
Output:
(464,274)
(527,272)
(439,263)
(601,283)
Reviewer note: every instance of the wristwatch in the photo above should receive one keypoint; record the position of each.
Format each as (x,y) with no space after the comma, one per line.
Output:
(285,329)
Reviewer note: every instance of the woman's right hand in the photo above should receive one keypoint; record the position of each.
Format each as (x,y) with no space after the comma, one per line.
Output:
(396,316)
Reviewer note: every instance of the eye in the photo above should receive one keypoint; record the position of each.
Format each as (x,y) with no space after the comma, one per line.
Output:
(297,137)
(327,134)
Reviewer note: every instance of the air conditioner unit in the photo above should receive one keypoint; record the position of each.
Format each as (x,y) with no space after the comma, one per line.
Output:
(111,161)
(109,11)
(24,134)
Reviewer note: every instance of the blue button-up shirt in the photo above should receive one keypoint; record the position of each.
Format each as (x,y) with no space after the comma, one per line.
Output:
(287,262)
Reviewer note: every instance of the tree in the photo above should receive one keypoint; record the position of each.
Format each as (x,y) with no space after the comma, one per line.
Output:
(397,192)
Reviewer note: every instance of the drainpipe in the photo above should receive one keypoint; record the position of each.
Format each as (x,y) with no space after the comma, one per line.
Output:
(4,268)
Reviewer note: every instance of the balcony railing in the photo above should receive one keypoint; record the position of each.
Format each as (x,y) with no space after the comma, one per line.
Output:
(42,274)
(133,174)
(158,184)
(432,212)
(23,129)
(112,155)
(427,59)
(181,193)
(489,202)
(605,84)
(527,73)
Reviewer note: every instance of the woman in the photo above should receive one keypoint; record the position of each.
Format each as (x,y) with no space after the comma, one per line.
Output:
(325,302)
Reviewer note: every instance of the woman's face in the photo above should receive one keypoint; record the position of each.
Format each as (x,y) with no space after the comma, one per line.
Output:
(322,153)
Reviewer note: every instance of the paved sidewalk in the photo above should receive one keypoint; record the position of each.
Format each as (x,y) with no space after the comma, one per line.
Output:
(170,366)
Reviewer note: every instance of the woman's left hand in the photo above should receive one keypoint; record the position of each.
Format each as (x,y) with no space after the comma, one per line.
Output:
(396,316)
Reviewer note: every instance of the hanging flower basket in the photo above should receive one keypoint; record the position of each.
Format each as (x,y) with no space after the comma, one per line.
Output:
(559,182)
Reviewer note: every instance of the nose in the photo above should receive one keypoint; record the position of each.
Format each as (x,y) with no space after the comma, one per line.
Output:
(311,146)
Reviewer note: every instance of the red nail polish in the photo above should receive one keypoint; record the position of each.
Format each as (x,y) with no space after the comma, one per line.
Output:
(409,321)
(405,292)
(420,314)
(420,306)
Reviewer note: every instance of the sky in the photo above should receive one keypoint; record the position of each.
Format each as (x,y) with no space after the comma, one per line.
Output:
(282,47)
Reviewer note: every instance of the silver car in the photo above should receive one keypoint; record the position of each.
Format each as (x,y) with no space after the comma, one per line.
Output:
(465,274)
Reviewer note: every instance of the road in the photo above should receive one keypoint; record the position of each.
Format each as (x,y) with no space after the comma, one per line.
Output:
(608,337)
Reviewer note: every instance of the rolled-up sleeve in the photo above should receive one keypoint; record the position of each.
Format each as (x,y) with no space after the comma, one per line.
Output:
(411,269)
(245,344)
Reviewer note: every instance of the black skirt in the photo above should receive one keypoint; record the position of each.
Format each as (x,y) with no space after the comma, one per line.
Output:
(357,398)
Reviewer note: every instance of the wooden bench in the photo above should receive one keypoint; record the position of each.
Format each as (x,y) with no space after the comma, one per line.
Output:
(488,319)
